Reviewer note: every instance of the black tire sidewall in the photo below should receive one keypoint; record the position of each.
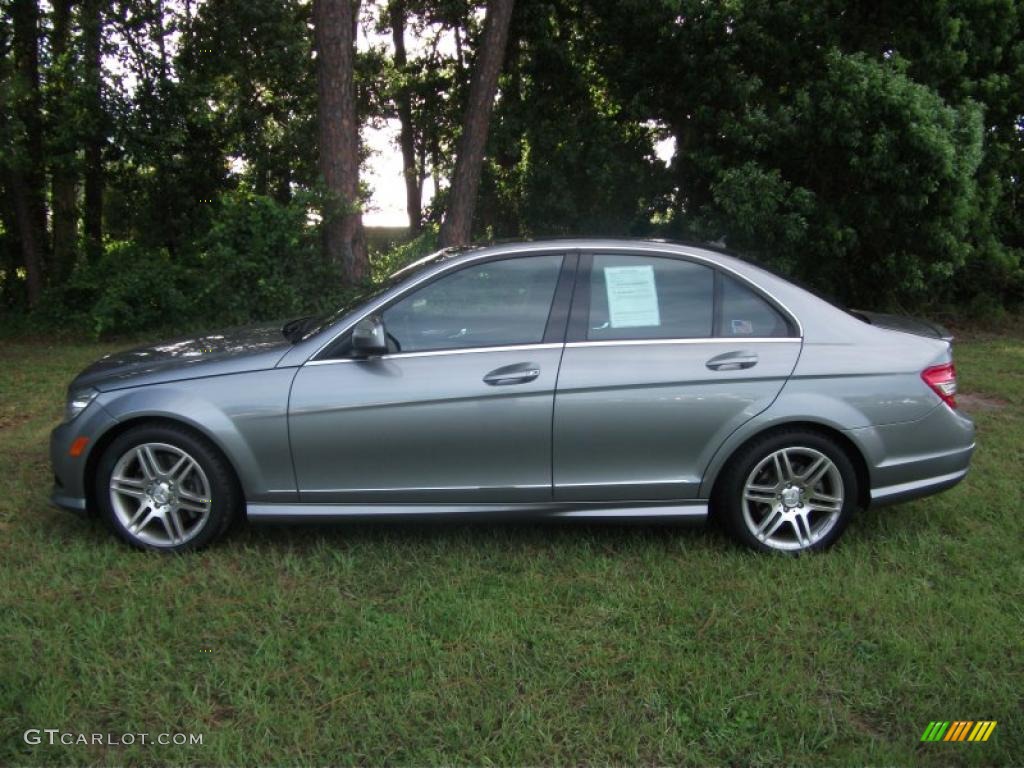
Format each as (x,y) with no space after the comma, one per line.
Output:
(729,495)
(225,498)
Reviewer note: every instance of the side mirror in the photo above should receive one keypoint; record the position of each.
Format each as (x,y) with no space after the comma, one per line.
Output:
(369,337)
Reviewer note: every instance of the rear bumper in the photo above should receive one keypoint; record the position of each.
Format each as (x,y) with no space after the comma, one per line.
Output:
(914,459)
(915,489)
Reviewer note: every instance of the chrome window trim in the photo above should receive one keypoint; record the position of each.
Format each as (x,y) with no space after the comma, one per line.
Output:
(711,340)
(438,352)
(540,249)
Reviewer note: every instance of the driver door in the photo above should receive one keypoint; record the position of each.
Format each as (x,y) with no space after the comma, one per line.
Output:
(459,411)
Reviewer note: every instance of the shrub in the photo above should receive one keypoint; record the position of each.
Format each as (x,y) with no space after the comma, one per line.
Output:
(260,260)
(129,288)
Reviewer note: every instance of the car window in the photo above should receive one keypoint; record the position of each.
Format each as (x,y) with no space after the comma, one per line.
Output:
(647,297)
(491,304)
(744,313)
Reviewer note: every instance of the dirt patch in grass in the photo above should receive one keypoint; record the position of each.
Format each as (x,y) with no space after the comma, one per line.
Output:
(12,418)
(978,401)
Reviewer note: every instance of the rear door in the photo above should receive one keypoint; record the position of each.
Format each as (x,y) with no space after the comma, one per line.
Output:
(665,358)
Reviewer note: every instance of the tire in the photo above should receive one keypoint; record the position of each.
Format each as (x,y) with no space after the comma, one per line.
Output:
(791,491)
(163,487)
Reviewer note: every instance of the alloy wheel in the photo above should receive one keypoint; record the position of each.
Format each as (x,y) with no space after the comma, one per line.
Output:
(160,494)
(792,498)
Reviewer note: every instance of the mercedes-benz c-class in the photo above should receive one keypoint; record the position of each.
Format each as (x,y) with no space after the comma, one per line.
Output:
(566,379)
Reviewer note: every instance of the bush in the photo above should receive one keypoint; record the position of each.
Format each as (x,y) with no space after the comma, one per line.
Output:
(129,288)
(391,260)
(259,260)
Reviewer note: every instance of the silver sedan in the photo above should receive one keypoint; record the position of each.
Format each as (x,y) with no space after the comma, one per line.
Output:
(567,379)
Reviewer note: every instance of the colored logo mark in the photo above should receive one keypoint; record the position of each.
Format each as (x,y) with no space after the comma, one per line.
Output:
(959,730)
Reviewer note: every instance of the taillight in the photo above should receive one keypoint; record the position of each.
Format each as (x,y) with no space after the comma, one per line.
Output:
(942,380)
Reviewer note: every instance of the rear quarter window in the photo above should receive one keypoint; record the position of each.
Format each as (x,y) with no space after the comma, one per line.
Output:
(743,313)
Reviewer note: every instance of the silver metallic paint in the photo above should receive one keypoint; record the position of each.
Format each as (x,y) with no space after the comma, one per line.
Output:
(245,415)
(651,416)
(317,512)
(401,432)
(614,399)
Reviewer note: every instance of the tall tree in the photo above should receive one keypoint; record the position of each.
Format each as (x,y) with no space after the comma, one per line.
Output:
(410,169)
(458,223)
(264,90)
(92,34)
(63,143)
(26,176)
(344,238)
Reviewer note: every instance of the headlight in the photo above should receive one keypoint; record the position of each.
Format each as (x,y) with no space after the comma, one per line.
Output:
(77,401)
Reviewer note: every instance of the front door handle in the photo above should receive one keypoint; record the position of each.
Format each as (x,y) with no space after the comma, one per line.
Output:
(518,373)
(732,361)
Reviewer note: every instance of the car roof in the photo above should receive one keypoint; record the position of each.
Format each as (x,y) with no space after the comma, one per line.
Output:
(709,253)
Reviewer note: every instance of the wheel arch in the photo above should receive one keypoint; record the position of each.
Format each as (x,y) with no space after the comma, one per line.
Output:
(852,450)
(120,427)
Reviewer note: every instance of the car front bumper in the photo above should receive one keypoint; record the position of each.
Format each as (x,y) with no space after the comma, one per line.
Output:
(69,473)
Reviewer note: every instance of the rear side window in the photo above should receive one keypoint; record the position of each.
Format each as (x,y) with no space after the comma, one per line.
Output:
(647,297)
(742,313)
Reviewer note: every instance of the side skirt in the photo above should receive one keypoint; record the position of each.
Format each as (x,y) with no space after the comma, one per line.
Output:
(682,512)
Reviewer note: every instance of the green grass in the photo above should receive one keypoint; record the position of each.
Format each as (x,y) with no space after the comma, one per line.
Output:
(516,644)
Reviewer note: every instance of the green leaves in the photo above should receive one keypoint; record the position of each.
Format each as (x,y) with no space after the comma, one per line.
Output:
(875,151)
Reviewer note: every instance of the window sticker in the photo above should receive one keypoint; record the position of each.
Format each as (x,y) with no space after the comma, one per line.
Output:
(632,296)
(742,327)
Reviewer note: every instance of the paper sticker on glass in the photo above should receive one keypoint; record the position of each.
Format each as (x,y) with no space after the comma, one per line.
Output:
(632,296)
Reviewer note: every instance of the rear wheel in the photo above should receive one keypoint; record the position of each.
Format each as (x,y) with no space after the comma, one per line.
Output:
(164,487)
(792,491)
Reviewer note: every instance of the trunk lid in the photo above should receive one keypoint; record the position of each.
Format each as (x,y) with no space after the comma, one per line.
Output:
(913,325)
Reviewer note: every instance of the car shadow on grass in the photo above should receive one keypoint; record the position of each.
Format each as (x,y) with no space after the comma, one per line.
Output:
(460,531)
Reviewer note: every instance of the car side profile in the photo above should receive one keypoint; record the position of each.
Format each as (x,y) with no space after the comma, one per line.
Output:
(564,379)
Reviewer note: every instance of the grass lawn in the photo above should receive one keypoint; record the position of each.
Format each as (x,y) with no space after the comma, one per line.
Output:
(516,644)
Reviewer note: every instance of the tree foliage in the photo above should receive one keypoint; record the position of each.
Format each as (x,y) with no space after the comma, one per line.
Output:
(876,151)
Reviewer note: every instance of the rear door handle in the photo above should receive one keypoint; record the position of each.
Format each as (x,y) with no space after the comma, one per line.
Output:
(732,361)
(517,373)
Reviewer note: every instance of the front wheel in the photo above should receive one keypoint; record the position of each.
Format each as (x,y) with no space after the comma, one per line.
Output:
(164,487)
(792,491)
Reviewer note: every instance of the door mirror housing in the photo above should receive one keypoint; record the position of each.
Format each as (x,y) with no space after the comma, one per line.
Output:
(369,337)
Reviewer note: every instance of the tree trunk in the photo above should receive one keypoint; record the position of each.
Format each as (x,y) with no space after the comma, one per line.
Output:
(92,28)
(410,170)
(458,223)
(62,191)
(26,175)
(344,239)
(31,248)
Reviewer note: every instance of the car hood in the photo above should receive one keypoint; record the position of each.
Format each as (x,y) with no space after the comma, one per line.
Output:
(236,350)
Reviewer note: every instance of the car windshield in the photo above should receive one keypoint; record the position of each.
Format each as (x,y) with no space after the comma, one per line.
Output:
(302,328)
